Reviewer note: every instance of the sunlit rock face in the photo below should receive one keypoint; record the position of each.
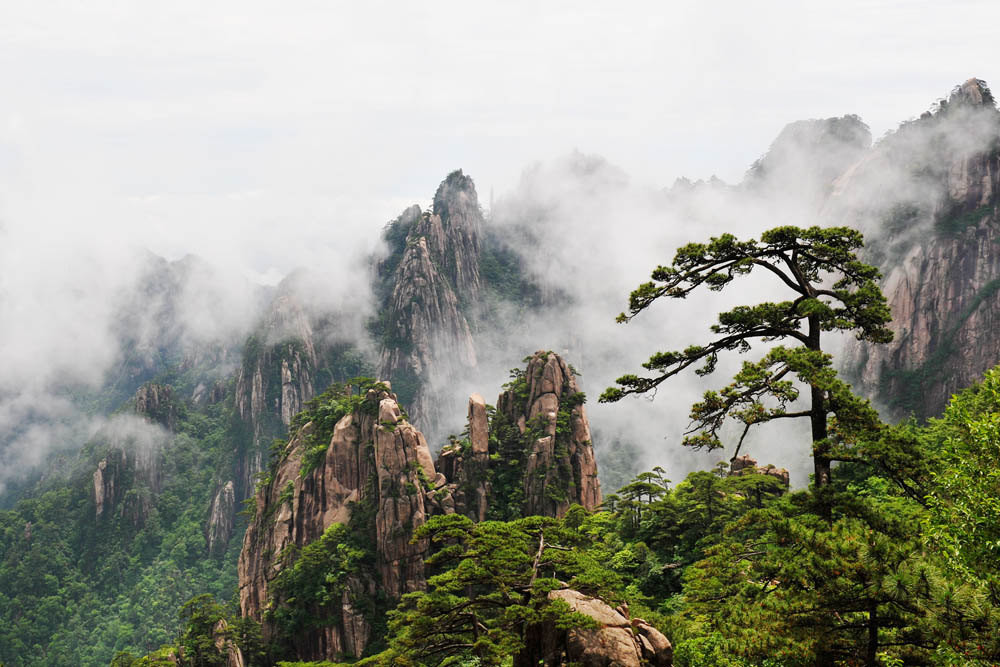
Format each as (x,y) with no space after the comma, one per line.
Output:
(926,198)
(618,639)
(425,327)
(376,459)
(377,477)
(538,447)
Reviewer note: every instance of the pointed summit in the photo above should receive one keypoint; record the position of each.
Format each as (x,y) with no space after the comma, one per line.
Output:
(435,273)
(457,247)
(973,92)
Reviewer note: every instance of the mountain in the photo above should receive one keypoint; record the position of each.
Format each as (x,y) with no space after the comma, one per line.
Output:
(355,465)
(927,197)
(424,326)
(336,438)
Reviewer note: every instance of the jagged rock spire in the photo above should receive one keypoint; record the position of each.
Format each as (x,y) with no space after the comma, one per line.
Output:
(425,323)
(375,459)
(540,437)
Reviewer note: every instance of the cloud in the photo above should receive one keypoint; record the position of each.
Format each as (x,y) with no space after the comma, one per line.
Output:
(262,137)
(589,235)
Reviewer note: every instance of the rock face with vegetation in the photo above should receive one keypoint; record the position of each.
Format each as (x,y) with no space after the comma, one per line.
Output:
(356,479)
(369,470)
(744,465)
(535,457)
(546,406)
(219,527)
(466,464)
(937,250)
(432,271)
(274,382)
(129,473)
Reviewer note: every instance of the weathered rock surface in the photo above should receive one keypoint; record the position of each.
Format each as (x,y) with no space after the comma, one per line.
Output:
(745,465)
(467,469)
(376,457)
(936,246)
(425,327)
(379,462)
(225,646)
(542,425)
(105,487)
(618,641)
(561,455)
(274,382)
(129,474)
(401,455)
(156,403)
(219,527)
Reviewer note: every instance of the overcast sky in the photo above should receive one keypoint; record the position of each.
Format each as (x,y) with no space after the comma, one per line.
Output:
(172,124)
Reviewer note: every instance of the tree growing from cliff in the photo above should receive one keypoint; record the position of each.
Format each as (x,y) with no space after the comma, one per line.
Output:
(491,586)
(830,290)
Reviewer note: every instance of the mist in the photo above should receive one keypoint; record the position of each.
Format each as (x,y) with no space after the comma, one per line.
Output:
(590,235)
(226,147)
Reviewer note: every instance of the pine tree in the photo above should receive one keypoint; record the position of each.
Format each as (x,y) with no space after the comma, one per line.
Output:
(804,261)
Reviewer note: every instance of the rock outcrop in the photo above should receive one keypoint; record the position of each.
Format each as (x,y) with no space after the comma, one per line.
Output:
(544,457)
(745,465)
(125,482)
(618,641)
(936,244)
(375,460)
(128,475)
(432,272)
(106,488)
(156,403)
(377,477)
(274,382)
(225,646)
(405,471)
(219,527)
(466,465)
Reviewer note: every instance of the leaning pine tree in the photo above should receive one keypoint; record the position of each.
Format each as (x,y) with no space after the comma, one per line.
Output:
(829,289)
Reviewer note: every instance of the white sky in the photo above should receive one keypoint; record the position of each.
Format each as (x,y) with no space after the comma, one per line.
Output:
(269,135)
(182,125)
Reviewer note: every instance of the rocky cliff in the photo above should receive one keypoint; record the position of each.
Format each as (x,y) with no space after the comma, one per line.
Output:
(376,464)
(128,475)
(273,383)
(927,197)
(219,527)
(432,271)
(535,457)
(356,465)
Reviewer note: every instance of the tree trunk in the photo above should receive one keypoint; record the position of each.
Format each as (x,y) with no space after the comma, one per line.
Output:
(821,450)
(871,659)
